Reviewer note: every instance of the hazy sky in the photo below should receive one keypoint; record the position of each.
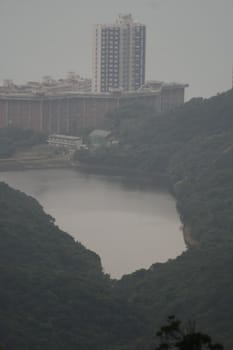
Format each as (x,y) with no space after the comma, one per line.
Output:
(188,41)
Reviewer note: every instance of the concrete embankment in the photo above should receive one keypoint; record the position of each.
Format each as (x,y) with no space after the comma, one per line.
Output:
(12,164)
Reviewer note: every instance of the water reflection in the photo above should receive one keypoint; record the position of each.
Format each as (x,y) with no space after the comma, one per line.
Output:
(129,225)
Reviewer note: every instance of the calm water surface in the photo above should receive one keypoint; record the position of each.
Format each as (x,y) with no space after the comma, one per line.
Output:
(129,226)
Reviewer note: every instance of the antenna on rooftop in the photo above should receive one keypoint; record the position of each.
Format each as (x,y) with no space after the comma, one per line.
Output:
(232,77)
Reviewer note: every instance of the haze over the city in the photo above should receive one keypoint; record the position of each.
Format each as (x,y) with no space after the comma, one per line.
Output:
(188,41)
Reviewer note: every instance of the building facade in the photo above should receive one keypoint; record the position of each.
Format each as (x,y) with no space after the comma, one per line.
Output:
(119,55)
(70,113)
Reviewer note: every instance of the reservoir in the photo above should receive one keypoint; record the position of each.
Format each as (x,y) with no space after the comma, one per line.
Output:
(130,226)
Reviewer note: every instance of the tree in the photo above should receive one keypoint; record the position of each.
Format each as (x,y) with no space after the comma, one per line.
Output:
(174,335)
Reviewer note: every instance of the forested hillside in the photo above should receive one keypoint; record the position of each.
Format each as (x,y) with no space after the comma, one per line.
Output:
(53,293)
(193,145)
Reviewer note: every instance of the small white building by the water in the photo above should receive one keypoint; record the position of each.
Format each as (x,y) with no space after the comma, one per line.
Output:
(66,141)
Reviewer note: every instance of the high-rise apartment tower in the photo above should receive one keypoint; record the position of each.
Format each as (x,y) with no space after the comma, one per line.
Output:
(119,55)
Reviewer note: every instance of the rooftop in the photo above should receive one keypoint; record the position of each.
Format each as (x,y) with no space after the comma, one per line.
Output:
(122,19)
(66,137)
(100,133)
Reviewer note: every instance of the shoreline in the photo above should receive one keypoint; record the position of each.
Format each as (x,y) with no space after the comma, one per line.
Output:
(146,178)
(188,239)
(12,164)
(143,177)
(157,179)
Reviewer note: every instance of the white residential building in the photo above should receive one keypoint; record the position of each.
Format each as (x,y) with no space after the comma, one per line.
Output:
(119,55)
(65,141)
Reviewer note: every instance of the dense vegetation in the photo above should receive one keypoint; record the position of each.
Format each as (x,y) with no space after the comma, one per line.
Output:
(177,336)
(53,293)
(12,139)
(193,145)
